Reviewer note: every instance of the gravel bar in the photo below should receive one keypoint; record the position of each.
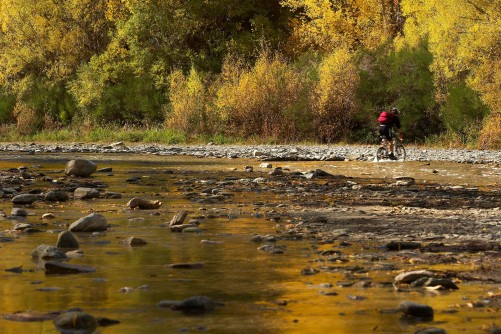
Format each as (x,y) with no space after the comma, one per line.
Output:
(262,152)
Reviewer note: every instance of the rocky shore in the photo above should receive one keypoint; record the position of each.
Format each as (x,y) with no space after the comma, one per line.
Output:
(262,152)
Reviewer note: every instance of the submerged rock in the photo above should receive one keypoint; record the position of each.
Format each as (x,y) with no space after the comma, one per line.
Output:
(133,242)
(192,305)
(76,322)
(421,311)
(48,252)
(52,267)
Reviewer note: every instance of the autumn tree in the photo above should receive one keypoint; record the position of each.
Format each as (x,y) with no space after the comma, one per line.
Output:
(464,37)
(42,43)
(155,38)
(352,24)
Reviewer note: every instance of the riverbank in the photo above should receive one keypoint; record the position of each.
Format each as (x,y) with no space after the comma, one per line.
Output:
(261,152)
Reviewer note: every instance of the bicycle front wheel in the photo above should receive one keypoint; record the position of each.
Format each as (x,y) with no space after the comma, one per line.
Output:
(381,153)
(400,152)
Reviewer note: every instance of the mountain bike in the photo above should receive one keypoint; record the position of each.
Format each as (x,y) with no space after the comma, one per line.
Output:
(383,151)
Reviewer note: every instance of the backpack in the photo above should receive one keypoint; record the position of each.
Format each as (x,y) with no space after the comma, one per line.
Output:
(385,118)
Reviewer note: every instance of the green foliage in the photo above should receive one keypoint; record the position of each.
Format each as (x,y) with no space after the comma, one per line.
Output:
(463,113)
(133,101)
(402,79)
(7,103)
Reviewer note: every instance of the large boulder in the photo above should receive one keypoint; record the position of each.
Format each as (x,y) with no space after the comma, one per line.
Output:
(80,167)
(94,222)
(24,199)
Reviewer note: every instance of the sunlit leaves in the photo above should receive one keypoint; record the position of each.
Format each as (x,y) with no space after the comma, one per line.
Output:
(353,24)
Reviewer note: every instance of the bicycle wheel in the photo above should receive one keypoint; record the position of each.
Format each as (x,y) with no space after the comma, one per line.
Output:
(400,151)
(381,153)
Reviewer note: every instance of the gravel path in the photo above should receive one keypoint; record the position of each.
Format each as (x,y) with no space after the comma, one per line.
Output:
(262,152)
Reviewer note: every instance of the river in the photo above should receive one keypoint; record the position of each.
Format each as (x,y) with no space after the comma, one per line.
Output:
(260,292)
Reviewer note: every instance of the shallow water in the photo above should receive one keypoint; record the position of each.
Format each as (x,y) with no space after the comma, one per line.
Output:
(262,293)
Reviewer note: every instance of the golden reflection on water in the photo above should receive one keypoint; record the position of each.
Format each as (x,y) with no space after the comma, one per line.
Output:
(263,293)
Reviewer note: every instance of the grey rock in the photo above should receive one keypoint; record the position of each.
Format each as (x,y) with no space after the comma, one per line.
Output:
(67,240)
(410,276)
(57,196)
(143,204)
(80,167)
(179,218)
(94,222)
(86,193)
(47,252)
(24,199)
(19,212)
(22,226)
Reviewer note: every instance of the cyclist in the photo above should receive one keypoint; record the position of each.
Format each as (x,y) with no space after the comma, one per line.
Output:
(388,120)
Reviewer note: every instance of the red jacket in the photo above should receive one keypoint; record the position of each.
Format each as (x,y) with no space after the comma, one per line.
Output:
(387,118)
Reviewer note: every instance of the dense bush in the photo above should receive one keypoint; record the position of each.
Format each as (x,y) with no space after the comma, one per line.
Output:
(463,113)
(187,111)
(265,100)
(334,98)
(401,79)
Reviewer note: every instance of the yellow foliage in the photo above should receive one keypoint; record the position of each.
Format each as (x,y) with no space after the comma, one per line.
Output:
(490,136)
(464,37)
(188,104)
(48,38)
(327,25)
(262,100)
(335,97)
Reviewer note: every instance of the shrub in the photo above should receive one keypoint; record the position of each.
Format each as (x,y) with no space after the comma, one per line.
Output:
(463,113)
(188,104)
(490,135)
(7,103)
(268,99)
(402,79)
(334,98)
(27,119)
